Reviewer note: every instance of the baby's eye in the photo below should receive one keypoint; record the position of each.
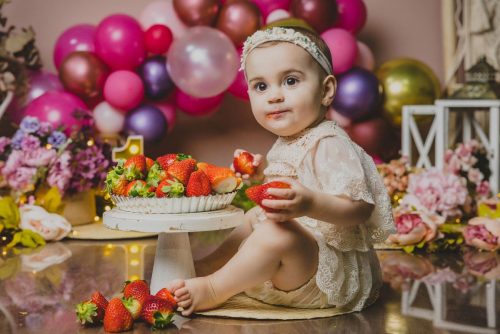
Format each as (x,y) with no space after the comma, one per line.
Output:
(260,86)
(291,81)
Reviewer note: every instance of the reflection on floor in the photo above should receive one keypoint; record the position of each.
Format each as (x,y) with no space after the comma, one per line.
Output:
(435,293)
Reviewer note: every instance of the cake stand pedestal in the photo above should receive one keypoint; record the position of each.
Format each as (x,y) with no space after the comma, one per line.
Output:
(173,258)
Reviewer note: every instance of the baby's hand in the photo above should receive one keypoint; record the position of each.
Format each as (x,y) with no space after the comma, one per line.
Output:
(294,202)
(245,164)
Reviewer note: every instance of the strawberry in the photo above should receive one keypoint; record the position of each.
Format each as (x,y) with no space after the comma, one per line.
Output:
(243,163)
(135,167)
(149,163)
(116,182)
(133,306)
(166,160)
(156,174)
(198,184)
(167,295)
(138,188)
(222,180)
(117,318)
(182,169)
(170,187)
(137,289)
(259,193)
(92,311)
(157,312)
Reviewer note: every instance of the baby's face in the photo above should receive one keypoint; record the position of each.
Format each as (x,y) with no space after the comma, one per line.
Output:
(285,88)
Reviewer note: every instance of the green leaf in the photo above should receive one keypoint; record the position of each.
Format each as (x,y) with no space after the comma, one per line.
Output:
(9,213)
(409,249)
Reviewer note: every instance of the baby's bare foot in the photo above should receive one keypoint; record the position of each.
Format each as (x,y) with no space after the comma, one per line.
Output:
(194,294)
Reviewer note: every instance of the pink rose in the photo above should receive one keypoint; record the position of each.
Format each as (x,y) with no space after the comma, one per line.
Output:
(22,179)
(483,189)
(413,227)
(475,176)
(398,267)
(483,264)
(483,233)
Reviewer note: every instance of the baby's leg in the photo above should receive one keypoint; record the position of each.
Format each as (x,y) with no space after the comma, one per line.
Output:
(227,249)
(284,252)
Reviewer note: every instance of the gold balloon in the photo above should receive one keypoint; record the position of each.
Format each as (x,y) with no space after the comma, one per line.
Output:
(405,82)
(289,22)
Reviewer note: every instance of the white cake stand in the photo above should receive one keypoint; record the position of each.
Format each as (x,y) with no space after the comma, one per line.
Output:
(173,258)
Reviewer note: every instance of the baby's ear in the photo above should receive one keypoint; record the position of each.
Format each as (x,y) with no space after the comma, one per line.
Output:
(329,89)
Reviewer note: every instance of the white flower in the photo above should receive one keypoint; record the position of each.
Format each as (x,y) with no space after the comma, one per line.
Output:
(50,226)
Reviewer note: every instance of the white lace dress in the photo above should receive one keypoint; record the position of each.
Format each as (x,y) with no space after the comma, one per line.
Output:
(325,159)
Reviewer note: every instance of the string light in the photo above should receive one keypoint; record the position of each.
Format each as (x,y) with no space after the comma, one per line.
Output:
(134,249)
(90,142)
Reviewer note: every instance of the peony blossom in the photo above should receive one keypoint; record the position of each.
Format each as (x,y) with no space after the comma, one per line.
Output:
(483,233)
(50,226)
(414,227)
(437,191)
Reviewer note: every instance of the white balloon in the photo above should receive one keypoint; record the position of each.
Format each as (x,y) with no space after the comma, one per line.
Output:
(108,120)
(278,14)
(163,12)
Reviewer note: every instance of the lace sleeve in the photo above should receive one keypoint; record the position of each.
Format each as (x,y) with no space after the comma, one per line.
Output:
(339,169)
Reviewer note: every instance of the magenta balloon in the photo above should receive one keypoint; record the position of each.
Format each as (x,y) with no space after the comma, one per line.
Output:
(119,42)
(203,62)
(56,108)
(196,106)
(79,37)
(40,82)
(343,47)
(267,6)
(239,87)
(365,57)
(124,90)
(352,15)
(169,111)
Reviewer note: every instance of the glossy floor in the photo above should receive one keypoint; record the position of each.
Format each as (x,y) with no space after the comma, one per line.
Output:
(421,294)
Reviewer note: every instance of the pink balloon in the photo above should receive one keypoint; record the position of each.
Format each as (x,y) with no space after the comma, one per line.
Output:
(267,6)
(169,111)
(276,15)
(79,37)
(163,12)
(196,106)
(203,63)
(119,42)
(343,47)
(124,90)
(57,108)
(239,87)
(352,15)
(365,58)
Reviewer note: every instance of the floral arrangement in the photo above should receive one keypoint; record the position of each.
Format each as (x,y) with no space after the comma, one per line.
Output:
(38,158)
(435,209)
(17,54)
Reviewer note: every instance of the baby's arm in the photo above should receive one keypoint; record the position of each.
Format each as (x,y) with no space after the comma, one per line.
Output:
(301,201)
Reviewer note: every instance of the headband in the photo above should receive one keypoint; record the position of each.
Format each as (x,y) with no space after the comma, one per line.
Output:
(285,35)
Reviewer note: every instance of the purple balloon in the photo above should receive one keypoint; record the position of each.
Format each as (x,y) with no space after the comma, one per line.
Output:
(148,121)
(157,82)
(76,38)
(358,94)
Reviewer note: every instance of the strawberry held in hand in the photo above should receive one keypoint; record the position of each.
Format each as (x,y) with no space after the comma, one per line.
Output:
(157,312)
(259,193)
(117,318)
(91,312)
(243,163)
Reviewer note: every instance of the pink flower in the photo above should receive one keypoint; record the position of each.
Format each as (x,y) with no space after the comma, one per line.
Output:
(22,179)
(40,157)
(483,264)
(483,233)
(60,173)
(475,176)
(14,161)
(483,189)
(438,191)
(413,227)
